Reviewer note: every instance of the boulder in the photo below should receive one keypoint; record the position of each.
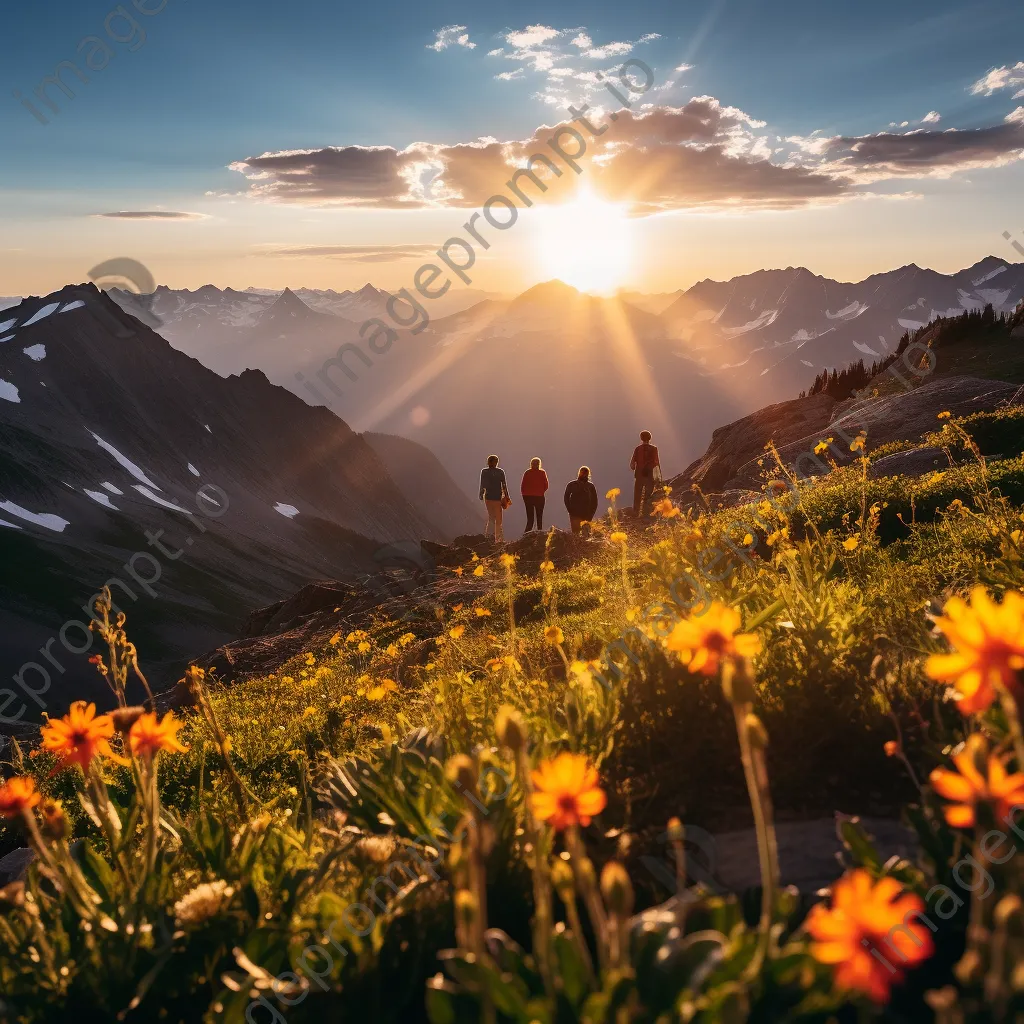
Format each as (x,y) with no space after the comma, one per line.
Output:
(915,462)
(731,458)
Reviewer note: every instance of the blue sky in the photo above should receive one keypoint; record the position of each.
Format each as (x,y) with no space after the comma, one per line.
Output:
(216,83)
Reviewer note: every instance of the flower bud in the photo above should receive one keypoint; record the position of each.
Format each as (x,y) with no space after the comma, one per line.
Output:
(125,718)
(969,969)
(562,879)
(510,729)
(462,771)
(1008,912)
(584,869)
(676,830)
(617,889)
(55,823)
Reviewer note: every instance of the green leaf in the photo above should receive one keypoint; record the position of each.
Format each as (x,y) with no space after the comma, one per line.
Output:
(99,874)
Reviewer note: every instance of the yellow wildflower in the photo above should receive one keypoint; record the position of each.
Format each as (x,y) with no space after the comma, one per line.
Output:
(553,635)
(703,642)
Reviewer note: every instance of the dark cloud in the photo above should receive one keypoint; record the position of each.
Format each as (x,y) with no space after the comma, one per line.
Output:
(927,153)
(150,215)
(697,155)
(356,175)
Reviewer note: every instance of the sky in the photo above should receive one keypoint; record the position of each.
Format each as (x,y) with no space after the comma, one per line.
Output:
(325,145)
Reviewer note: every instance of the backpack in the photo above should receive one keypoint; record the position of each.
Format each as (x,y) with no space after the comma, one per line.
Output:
(646,451)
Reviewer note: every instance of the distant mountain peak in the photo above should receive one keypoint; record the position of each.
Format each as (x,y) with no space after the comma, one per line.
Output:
(549,291)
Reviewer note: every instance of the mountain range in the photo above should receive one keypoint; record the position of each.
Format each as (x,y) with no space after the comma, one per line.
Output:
(565,376)
(200,496)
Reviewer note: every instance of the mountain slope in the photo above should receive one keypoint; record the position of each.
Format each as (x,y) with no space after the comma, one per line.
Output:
(109,435)
(426,484)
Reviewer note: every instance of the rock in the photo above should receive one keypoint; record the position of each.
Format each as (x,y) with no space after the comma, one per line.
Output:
(732,498)
(732,456)
(808,852)
(306,620)
(14,866)
(916,462)
(906,416)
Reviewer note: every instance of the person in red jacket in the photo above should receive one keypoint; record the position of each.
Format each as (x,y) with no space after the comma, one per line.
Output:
(535,484)
(646,468)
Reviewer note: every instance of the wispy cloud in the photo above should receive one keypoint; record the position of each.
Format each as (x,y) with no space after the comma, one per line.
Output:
(1005,77)
(451,35)
(150,215)
(351,253)
(565,57)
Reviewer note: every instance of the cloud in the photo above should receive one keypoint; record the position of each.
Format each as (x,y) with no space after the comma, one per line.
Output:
(150,215)
(927,154)
(564,56)
(532,35)
(508,76)
(451,35)
(1016,116)
(703,153)
(932,117)
(684,67)
(609,50)
(350,175)
(352,253)
(999,78)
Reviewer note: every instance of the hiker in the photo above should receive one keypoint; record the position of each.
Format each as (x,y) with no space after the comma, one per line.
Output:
(646,468)
(581,501)
(494,494)
(535,483)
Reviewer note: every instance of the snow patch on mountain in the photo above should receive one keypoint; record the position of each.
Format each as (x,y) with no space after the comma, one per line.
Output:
(37,353)
(42,314)
(765,319)
(100,498)
(988,277)
(9,391)
(850,312)
(124,461)
(45,519)
(290,511)
(147,493)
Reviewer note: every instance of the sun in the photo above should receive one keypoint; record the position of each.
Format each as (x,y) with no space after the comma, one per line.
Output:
(587,243)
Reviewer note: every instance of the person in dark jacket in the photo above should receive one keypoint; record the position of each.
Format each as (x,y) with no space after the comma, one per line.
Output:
(646,466)
(581,501)
(535,484)
(494,494)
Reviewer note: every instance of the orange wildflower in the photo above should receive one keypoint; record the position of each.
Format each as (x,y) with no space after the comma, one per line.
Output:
(988,643)
(79,736)
(566,792)
(866,918)
(704,641)
(17,796)
(148,736)
(967,787)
